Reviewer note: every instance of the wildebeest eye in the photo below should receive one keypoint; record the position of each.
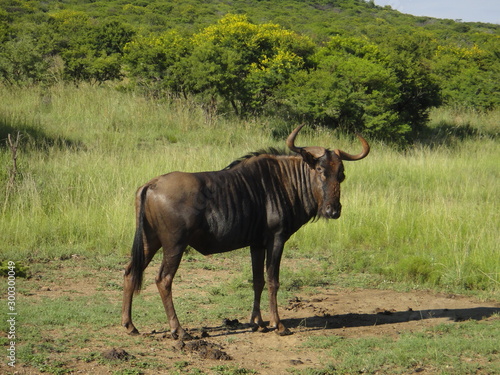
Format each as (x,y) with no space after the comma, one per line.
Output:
(341,176)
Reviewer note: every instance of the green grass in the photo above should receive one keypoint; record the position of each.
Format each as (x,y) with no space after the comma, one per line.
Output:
(464,348)
(426,216)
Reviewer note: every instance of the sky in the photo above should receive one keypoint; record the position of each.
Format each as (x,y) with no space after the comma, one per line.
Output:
(465,10)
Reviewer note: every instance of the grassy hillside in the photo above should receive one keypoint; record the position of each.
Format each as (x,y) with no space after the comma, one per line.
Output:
(425,216)
(317,18)
(345,64)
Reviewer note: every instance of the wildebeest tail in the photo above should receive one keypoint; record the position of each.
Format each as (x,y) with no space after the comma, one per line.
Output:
(138,259)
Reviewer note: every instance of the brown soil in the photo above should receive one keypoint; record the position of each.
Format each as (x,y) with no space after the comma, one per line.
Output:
(347,313)
(116,354)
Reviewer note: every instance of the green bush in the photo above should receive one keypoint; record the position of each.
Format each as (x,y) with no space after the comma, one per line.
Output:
(358,87)
(156,62)
(22,62)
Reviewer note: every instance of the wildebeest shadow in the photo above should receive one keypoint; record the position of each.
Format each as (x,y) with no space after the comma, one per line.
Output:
(352,320)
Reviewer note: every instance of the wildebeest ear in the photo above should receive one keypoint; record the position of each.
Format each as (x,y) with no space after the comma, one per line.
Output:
(308,158)
(312,154)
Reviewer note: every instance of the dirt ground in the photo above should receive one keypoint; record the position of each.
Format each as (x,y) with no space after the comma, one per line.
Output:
(346,313)
(349,314)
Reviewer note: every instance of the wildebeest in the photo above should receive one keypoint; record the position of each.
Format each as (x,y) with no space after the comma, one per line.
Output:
(258,201)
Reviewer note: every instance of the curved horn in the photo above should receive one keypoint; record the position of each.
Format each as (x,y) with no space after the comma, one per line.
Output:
(290,141)
(309,154)
(348,157)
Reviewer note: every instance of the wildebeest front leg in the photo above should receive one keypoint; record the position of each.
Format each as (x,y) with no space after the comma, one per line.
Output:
(258,257)
(273,270)
(168,268)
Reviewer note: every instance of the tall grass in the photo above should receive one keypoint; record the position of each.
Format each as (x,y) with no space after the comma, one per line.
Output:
(428,215)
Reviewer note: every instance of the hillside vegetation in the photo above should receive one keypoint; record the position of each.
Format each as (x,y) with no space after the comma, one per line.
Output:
(106,95)
(342,64)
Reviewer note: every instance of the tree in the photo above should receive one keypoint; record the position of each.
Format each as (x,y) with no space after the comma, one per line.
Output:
(242,63)
(91,51)
(85,64)
(111,37)
(5,28)
(469,76)
(157,62)
(409,57)
(22,62)
(358,86)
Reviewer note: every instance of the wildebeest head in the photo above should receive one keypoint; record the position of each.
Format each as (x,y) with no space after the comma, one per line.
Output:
(328,171)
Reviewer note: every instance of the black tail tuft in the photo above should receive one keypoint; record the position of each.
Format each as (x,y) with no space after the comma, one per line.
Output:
(138,259)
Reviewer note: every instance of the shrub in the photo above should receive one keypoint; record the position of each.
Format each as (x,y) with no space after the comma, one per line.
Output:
(357,87)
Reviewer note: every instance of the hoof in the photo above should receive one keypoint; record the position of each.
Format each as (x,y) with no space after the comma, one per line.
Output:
(131,330)
(134,332)
(284,332)
(261,329)
(182,336)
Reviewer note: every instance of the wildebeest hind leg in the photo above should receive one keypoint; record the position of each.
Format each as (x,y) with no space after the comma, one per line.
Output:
(171,260)
(128,295)
(273,269)
(258,257)
(150,249)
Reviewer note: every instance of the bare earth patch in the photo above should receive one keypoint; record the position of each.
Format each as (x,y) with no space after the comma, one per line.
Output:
(345,313)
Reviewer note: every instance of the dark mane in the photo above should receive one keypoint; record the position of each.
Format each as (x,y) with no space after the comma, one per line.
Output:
(269,151)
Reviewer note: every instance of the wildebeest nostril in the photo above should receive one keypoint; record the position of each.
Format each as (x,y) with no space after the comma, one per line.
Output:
(333,213)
